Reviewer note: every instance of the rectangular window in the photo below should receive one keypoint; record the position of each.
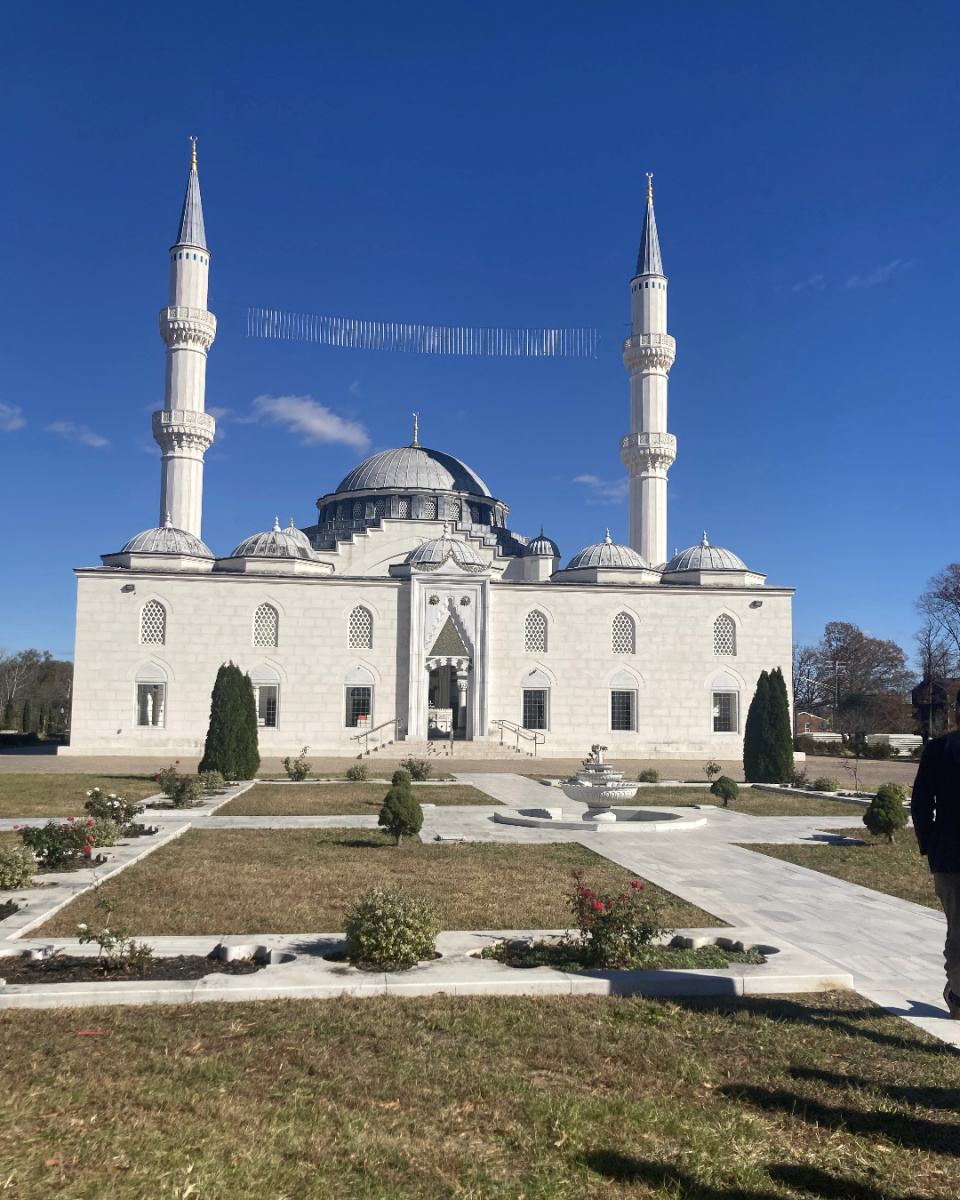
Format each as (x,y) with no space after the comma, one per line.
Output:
(622,710)
(359,706)
(403,506)
(150,703)
(724,712)
(534,708)
(265,696)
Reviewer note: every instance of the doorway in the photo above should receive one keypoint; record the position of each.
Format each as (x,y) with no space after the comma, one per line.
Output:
(445,714)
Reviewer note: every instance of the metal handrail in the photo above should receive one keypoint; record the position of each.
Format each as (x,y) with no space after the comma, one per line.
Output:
(530,735)
(356,737)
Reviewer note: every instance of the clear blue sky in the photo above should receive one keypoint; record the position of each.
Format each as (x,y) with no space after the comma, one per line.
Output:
(484,164)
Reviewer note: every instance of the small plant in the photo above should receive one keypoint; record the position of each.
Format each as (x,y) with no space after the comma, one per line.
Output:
(615,929)
(213,782)
(650,775)
(189,791)
(59,843)
(886,813)
(298,768)
(401,814)
(799,780)
(401,779)
(419,768)
(169,778)
(17,867)
(725,788)
(901,789)
(391,929)
(111,808)
(105,832)
(711,768)
(118,951)
(823,783)
(358,772)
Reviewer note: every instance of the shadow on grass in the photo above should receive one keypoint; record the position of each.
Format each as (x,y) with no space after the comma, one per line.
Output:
(825,1186)
(947,1099)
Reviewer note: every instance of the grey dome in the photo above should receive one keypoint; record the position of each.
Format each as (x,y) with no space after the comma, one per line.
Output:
(275,543)
(607,554)
(298,535)
(414,467)
(544,546)
(436,551)
(167,540)
(705,558)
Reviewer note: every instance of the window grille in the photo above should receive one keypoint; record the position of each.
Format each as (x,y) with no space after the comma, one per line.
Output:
(361,628)
(359,705)
(380,507)
(430,508)
(621,710)
(357,510)
(725,712)
(535,633)
(624,634)
(534,708)
(153,623)
(724,636)
(266,624)
(403,506)
(265,696)
(455,511)
(150,703)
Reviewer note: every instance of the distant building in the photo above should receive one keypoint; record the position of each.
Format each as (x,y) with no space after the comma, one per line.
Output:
(808,723)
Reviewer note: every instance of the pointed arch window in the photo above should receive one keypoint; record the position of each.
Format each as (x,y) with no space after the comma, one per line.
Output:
(361,629)
(153,624)
(624,637)
(535,633)
(724,636)
(266,626)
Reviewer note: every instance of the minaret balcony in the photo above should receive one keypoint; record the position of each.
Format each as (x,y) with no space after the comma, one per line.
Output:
(649,352)
(642,453)
(188,327)
(183,429)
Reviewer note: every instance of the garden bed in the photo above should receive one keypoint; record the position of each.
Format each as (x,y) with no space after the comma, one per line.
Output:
(66,968)
(65,795)
(570,954)
(339,799)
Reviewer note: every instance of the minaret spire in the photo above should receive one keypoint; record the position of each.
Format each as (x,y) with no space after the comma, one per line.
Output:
(182,428)
(648,353)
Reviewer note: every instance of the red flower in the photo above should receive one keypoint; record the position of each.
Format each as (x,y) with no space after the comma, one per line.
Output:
(89,820)
(636,883)
(597,906)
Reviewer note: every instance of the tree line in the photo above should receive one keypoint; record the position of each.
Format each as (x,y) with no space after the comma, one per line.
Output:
(35,692)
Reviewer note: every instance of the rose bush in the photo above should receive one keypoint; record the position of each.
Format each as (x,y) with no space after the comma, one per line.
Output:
(615,929)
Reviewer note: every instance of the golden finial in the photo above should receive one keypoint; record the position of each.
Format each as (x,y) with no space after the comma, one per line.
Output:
(416,419)
(649,187)
(193,154)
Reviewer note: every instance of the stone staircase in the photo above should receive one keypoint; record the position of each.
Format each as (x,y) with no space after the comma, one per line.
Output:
(472,751)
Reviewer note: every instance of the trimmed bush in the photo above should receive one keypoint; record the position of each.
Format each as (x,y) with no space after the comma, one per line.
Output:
(401,779)
(886,813)
(105,832)
(401,814)
(189,791)
(391,929)
(232,740)
(17,867)
(825,784)
(767,740)
(725,788)
(212,781)
(358,772)
(651,775)
(419,768)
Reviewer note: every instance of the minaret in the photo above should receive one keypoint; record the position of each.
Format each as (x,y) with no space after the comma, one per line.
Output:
(648,353)
(182,428)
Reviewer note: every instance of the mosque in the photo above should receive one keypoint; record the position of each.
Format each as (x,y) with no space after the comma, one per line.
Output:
(411,612)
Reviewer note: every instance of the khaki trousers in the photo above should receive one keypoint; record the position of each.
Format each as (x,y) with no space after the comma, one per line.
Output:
(948,893)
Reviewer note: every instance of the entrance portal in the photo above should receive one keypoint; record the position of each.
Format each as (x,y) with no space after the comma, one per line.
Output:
(445,714)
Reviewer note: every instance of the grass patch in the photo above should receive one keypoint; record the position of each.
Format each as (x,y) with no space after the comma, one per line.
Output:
(303,880)
(555,1098)
(65,795)
(338,799)
(897,870)
(752,803)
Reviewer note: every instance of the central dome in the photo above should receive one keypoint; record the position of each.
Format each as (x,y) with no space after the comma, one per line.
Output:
(412,467)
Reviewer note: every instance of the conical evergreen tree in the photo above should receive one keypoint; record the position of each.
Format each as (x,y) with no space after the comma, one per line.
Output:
(754,732)
(232,742)
(781,736)
(27,718)
(767,742)
(10,715)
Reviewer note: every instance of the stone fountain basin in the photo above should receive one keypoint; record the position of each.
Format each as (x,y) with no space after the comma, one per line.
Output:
(652,820)
(599,797)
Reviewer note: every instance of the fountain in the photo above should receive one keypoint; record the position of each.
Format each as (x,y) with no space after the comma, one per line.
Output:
(599,786)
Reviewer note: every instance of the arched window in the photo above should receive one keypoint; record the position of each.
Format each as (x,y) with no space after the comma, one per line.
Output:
(153,624)
(455,511)
(266,626)
(724,636)
(357,510)
(624,634)
(361,629)
(430,508)
(151,684)
(535,633)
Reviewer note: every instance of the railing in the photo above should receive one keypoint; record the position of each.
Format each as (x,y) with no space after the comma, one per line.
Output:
(529,735)
(365,736)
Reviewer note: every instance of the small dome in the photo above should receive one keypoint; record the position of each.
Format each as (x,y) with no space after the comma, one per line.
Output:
(705,558)
(167,540)
(275,543)
(436,552)
(298,535)
(607,554)
(543,546)
(414,467)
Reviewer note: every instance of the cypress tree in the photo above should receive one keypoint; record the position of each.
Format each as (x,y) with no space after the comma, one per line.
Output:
(232,742)
(9,715)
(27,719)
(767,742)
(781,736)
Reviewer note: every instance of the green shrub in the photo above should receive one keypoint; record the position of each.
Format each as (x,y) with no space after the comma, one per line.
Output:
(419,768)
(213,781)
(401,814)
(650,775)
(725,788)
(298,768)
(232,738)
(401,779)
(26,721)
(168,779)
(358,772)
(391,929)
(111,808)
(9,715)
(105,832)
(886,813)
(189,791)
(614,929)
(825,784)
(17,867)
(59,844)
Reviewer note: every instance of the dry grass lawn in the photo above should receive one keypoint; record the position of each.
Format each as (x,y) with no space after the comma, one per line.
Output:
(897,870)
(561,1098)
(65,795)
(338,799)
(753,803)
(303,881)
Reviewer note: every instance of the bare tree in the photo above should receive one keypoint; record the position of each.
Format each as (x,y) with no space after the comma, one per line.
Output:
(940,606)
(809,691)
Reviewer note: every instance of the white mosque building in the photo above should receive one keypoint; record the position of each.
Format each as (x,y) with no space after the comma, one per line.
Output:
(410,611)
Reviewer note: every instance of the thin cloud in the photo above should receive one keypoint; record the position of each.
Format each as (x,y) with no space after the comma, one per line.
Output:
(815,281)
(11,417)
(77,433)
(880,274)
(354,389)
(150,448)
(303,415)
(605,491)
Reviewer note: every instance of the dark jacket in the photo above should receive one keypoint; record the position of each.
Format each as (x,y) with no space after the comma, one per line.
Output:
(935,806)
